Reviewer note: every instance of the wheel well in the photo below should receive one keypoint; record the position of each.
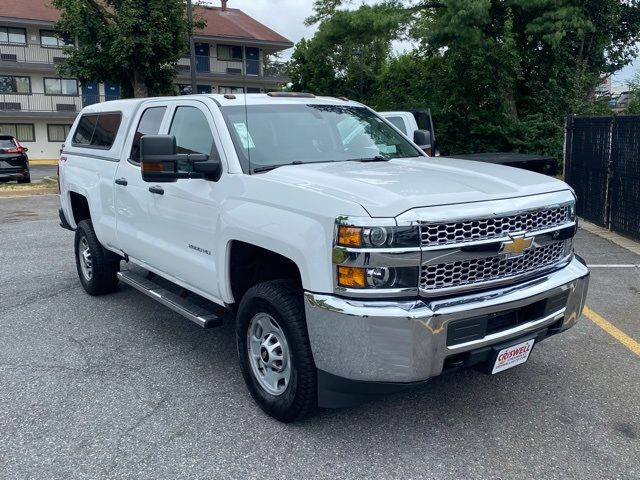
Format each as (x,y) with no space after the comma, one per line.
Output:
(250,265)
(79,207)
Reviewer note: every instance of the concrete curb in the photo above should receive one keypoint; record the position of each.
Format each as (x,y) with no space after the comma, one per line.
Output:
(27,192)
(619,240)
(43,162)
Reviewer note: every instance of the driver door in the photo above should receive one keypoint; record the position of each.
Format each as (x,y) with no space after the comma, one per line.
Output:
(177,237)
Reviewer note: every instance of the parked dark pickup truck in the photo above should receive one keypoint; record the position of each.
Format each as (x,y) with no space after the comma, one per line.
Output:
(14,163)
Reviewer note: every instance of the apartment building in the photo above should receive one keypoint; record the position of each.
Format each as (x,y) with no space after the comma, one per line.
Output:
(233,54)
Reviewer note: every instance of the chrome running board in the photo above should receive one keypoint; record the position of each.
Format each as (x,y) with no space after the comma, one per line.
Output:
(175,302)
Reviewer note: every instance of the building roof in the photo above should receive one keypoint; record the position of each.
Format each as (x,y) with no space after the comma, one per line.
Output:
(234,23)
(29,10)
(229,23)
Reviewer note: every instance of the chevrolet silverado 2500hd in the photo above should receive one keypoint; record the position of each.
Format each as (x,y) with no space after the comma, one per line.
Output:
(352,263)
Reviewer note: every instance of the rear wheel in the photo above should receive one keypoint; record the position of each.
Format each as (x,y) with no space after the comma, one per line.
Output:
(98,273)
(274,350)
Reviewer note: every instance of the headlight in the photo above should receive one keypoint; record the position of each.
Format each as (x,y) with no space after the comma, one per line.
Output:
(378,237)
(377,277)
(375,257)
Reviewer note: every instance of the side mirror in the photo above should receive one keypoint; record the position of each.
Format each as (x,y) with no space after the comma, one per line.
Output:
(159,160)
(25,149)
(423,139)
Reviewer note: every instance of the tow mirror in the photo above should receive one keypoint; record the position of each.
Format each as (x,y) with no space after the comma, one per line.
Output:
(423,139)
(159,161)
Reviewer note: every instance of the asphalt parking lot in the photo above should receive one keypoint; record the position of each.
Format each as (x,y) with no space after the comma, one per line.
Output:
(121,387)
(39,172)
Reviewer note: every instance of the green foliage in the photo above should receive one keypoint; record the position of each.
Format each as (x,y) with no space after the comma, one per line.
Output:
(133,43)
(349,50)
(634,88)
(497,74)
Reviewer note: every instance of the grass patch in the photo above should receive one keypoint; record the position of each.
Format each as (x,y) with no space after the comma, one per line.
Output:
(46,186)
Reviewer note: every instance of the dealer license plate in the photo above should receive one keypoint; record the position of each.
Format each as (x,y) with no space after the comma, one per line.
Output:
(512,356)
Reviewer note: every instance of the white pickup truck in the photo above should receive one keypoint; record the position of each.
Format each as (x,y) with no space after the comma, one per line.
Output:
(352,263)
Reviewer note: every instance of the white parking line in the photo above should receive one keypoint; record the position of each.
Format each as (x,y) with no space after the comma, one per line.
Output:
(614,266)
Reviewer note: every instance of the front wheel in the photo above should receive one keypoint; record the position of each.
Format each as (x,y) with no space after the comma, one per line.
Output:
(98,273)
(274,350)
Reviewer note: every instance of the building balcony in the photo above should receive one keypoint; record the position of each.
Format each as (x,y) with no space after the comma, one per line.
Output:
(44,58)
(237,69)
(34,55)
(41,104)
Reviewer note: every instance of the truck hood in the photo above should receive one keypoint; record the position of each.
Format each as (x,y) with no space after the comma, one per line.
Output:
(387,189)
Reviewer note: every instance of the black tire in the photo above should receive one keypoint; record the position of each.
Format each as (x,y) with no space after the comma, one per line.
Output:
(104,269)
(25,180)
(283,301)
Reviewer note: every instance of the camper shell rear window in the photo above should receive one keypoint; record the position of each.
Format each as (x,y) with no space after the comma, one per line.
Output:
(97,130)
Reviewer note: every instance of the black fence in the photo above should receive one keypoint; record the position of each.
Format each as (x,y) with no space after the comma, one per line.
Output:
(602,164)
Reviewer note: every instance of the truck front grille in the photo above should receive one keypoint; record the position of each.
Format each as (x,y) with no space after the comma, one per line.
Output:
(469,272)
(434,234)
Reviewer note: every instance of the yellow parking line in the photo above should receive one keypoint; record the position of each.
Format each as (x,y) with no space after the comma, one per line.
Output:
(615,332)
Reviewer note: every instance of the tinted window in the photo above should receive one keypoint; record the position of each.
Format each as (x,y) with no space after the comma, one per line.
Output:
(397,122)
(7,143)
(97,131)
(193,133)
(149,125)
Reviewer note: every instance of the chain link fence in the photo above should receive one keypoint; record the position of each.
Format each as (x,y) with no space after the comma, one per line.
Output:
(602,164)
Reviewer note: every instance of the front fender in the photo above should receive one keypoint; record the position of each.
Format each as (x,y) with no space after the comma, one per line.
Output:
(303,238)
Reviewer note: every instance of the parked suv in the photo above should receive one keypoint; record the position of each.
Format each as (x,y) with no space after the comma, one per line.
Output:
(352,263)
(14,163)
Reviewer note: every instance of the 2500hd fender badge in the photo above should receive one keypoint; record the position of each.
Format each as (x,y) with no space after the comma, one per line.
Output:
(199,249)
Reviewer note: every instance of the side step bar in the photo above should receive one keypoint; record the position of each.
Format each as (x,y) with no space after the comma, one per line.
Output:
(178,304)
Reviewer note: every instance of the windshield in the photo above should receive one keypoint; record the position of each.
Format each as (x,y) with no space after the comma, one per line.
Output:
(273,135)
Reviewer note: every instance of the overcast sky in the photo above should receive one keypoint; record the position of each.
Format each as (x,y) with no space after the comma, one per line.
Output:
(287,18)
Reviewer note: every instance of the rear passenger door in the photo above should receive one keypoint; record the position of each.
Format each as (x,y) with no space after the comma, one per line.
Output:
(132,198)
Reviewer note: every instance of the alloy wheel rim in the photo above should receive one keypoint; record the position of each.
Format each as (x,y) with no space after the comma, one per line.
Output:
(268,353)
(86,262)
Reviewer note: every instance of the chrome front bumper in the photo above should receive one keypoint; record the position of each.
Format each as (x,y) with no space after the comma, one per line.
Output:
(406,340)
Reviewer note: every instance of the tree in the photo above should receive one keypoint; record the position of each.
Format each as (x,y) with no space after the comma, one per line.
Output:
(501,74)
(132,43)
(347,52)
(634,88)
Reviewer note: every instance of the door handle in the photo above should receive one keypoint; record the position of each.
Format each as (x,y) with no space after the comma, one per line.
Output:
(157,190)
(122,181)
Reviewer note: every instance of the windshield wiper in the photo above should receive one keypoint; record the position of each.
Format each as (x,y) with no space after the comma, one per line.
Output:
(266,168)
(377,158)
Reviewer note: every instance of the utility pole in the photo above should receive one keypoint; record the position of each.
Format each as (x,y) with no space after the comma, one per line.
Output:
(192,49)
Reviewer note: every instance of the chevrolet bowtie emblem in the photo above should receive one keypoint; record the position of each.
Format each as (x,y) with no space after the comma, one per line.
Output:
(516,246)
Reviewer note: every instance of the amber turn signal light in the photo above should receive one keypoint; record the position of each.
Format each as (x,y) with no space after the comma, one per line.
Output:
(351,277)
(349,236)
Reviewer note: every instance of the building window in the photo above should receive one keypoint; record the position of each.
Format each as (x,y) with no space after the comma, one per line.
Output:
(13,35)
(61,86)
(51,38)
(13,84)
(229,52)
(226,90)
(254,90)
(57,133)
(185,89)
(24,132)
